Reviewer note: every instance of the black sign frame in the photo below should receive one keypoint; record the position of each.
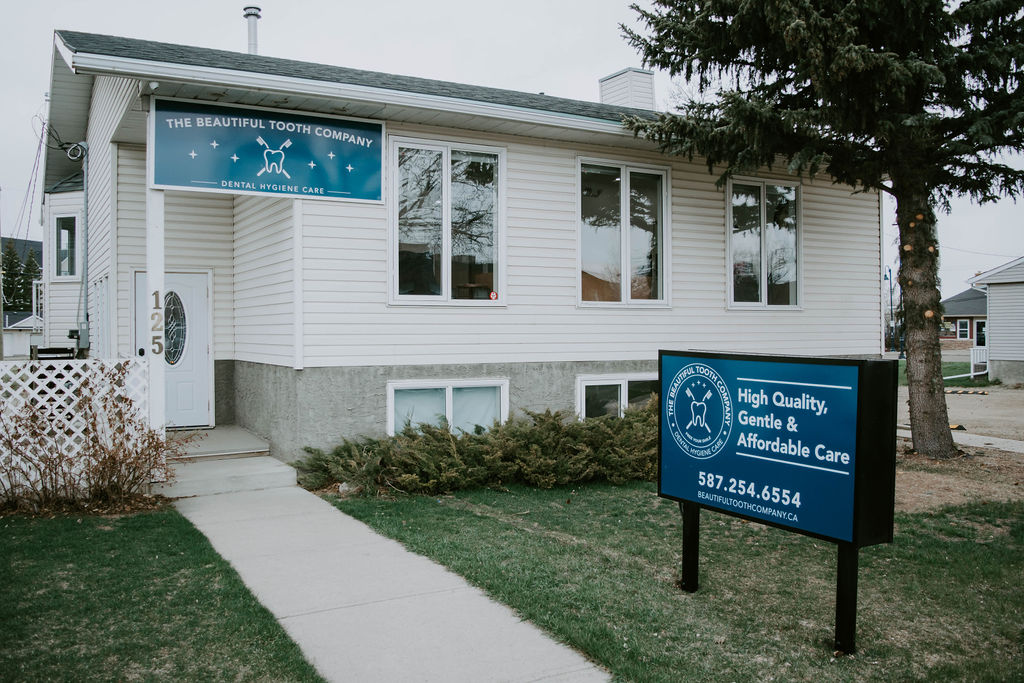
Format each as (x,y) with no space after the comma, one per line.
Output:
(873,504)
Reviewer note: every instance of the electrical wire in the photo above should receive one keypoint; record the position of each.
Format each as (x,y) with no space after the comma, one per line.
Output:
(25,212)
(977,253)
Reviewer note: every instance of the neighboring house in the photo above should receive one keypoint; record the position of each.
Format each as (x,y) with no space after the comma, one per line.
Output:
(964,319)
(313,252)
(1005,287)
(18,329)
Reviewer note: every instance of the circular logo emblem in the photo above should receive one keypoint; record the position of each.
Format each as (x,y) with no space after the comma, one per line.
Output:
(699,411)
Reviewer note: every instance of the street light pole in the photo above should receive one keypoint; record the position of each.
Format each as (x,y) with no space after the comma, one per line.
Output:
(892,318)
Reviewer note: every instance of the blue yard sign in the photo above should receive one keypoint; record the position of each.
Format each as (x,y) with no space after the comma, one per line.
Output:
(216,148)
(766,439)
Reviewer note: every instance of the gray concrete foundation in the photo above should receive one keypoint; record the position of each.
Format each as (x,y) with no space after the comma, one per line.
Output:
(320,406)
(1009,372)
(224,392)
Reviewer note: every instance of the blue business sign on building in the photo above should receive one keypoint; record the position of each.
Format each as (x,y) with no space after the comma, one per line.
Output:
(215,148)
(770,439)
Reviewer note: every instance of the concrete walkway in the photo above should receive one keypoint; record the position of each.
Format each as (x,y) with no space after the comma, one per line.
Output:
(361,607)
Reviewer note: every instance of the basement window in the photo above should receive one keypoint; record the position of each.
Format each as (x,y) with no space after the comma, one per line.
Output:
(603,395)
(465,404)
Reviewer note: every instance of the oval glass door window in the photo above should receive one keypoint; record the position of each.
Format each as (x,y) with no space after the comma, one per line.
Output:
(177,328)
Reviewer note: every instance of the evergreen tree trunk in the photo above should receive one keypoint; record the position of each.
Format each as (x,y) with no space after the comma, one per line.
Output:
(918,278)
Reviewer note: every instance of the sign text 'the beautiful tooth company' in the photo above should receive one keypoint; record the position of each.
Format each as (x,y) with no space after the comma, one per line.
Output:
(215,148)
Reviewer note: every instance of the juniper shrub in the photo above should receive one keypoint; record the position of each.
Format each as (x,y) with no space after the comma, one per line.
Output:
(541,449)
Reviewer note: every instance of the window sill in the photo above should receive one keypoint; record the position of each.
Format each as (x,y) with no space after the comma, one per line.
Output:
(630,305)
(762,307)
(449,303)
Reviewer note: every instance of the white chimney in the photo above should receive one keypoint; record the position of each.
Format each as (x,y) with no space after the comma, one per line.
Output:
(252,15)
(630,87)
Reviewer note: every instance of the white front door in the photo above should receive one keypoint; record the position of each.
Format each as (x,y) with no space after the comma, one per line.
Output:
(187,345)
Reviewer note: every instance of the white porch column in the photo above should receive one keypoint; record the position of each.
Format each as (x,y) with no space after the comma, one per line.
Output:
(154,342)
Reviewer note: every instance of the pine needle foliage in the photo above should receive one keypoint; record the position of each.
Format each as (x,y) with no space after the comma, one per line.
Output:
(541,449)
(919,99)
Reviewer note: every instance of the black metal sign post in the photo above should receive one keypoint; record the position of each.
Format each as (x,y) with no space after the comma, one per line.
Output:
(846,576)
(802,444)
(846,597)
(691,544)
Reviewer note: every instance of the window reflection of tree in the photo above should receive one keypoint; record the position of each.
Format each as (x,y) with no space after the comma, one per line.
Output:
(419,221)
(474,206)
(601,214)
(645,223)
(746,243)
(780,238)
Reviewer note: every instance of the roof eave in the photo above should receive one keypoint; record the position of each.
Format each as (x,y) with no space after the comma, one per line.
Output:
(94,64)
(980,278)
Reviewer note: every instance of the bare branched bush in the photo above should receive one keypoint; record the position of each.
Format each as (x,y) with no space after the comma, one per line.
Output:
(92,450)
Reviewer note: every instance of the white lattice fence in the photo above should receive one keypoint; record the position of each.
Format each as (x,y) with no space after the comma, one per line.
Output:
(53,388)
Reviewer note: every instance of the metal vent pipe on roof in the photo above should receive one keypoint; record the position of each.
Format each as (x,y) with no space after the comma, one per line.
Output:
(252,15)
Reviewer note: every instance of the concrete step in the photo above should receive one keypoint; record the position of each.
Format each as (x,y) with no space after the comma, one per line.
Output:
(210,477)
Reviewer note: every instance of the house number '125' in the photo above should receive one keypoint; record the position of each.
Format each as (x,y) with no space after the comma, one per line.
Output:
(157,317)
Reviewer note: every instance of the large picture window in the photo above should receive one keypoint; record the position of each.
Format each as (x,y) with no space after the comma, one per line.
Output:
(65,263)
(622,233)
(763,243)
(466,404)
(447,216)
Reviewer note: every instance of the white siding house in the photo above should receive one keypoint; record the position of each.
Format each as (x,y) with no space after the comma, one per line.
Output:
(521,249)
(1005,287)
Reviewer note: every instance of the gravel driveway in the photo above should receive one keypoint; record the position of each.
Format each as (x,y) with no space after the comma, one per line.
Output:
(1000,413)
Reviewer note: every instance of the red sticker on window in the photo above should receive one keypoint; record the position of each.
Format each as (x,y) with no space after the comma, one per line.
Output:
(494,296)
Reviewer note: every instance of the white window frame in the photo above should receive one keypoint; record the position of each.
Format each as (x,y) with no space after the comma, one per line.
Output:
(763,304)
(77,215)
(621,379)
(445,298)
(963,328)
(501,382)
(665,255)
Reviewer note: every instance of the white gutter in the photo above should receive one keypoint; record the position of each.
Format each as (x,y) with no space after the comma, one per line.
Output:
(149,70)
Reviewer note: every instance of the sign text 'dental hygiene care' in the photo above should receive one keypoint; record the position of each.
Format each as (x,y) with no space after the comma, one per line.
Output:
(768,440)
(214,148)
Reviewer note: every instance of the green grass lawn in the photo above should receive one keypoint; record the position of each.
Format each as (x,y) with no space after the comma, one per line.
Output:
(949,370)
(140,597)
(597,567)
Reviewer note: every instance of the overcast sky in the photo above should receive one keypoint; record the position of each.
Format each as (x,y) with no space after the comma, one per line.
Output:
(559,47)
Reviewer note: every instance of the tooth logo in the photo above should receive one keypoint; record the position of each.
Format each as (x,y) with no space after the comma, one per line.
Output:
(698,409)
(273,159)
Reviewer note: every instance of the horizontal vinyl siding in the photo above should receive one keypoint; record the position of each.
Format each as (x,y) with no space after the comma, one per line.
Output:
(263,304)
(111,97)
(61,298)
(1005,328)
(347,320)
(63,301)
(198,236)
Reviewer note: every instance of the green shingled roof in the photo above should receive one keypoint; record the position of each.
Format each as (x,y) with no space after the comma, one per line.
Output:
(147,50)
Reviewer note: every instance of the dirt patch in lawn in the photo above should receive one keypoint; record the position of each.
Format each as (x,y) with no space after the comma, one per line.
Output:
(980,474)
